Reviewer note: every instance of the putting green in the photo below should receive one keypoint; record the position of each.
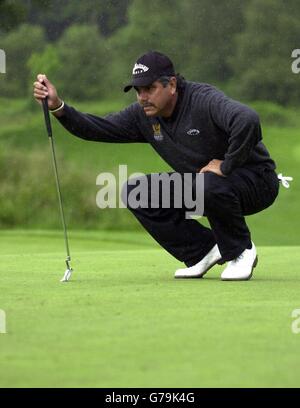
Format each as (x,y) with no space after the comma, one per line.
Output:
(123,321)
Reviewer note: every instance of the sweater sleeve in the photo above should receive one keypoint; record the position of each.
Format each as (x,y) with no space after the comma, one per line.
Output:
(119,127)
(240,123)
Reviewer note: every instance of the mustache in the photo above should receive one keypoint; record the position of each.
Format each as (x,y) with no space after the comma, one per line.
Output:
(146,104)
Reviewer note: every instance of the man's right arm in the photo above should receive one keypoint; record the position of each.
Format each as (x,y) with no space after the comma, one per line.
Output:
(119,127)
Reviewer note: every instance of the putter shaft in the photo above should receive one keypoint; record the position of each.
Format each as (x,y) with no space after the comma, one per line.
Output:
(49,131)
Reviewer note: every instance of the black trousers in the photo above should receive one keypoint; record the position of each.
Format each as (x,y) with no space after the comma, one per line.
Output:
(226,201)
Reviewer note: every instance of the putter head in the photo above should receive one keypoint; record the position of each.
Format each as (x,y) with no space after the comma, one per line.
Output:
(67,275)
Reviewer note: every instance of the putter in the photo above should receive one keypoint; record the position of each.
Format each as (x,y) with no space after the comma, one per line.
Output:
(69,270)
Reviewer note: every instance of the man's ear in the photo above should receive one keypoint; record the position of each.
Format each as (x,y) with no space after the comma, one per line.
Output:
(173,85)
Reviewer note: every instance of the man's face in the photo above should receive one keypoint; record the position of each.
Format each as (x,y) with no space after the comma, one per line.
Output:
(156,99)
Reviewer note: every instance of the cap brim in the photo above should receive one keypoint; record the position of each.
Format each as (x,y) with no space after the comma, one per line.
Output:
(145,81)
(127,88)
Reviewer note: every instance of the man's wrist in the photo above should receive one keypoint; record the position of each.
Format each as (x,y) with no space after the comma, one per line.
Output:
(58,108)
(59,111)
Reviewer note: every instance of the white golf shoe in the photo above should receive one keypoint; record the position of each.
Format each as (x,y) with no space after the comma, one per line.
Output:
(200,269)
(241,268)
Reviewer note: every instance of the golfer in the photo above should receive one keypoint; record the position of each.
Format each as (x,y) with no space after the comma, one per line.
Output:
(195,128)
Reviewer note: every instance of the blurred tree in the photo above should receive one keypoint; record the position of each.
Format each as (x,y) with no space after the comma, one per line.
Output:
(113,15)
(210,26)
(82,63)
(55,17)
(12,13)
(19,45)
(47,61)
(76,64)
(262,60)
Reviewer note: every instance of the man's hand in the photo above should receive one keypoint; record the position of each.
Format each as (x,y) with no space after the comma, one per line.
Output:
(43,88)
(214,166)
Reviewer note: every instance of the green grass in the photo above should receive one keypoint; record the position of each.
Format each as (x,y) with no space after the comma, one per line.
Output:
(123,321)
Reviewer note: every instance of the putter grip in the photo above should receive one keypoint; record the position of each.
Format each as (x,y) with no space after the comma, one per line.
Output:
(47,116)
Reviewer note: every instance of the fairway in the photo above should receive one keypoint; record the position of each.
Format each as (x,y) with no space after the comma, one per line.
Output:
(123,321)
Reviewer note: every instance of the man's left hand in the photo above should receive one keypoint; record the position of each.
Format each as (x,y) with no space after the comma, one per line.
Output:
(214,166)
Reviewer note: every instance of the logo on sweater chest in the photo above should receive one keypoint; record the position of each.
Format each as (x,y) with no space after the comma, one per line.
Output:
(157,132)
(193,132)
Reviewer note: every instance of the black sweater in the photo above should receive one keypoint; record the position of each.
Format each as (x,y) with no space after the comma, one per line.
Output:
(205,125)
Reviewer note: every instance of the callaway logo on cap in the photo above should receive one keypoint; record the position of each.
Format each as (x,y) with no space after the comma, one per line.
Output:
(149,67)
(139,68)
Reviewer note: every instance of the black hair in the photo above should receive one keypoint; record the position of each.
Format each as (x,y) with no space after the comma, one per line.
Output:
(164,80)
